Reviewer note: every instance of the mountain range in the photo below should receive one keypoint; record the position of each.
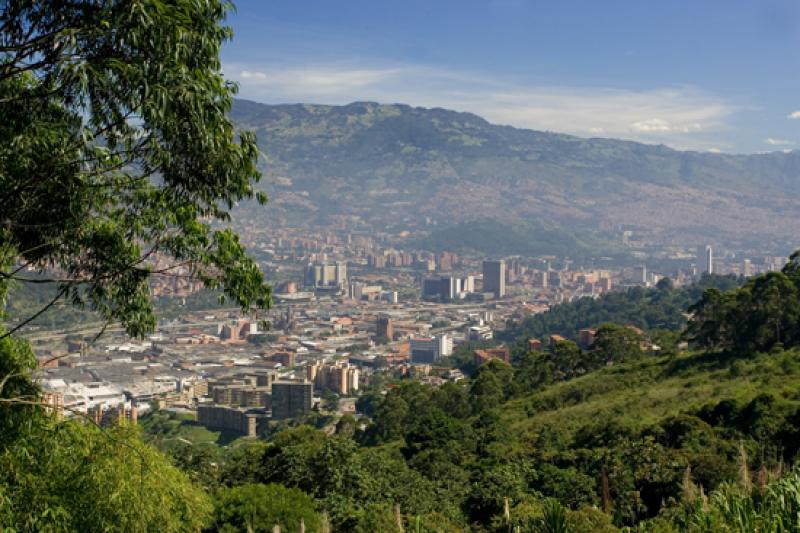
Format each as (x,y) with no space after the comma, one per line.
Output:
(393,167)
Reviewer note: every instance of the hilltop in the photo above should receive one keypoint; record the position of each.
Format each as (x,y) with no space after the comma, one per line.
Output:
(396,164)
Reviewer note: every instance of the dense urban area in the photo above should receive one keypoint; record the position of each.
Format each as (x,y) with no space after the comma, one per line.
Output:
(347,310)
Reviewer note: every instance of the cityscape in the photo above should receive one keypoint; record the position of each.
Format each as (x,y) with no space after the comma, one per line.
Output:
(399,267)
(339,319)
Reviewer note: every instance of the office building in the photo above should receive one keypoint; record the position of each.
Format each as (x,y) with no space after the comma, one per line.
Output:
(431,349)
(468,284)
(291,399)
(443,287)
(326,275)
(362,291)
(444,345)
(640,274)
(480,333)
(384,327)
(447,287)
(494,277)
(424,350)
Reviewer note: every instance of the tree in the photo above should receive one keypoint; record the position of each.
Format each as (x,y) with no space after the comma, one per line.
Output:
(258,508)
(116,150)
(568,359)
(117,163)
(70,476)
(775,309)
(765,312)
(330,400)
(491,385)
(615,343)
(709,325)
(664,284)
(390,417)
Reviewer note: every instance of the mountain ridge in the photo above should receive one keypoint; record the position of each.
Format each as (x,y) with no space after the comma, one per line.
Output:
(456,166)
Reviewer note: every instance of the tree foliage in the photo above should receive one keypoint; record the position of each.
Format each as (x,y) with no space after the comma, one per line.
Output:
(258,508)
(648,309)
(116,149)
(69,476)
(762,314)
(118,163)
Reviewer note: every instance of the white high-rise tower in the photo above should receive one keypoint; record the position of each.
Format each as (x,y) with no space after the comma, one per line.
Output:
(708,266)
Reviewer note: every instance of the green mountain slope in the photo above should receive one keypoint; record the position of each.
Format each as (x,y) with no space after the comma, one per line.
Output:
(398,163)
(638,395)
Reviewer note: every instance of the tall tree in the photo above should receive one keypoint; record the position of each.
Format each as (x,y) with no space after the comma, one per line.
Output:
(117,163)
(116,148)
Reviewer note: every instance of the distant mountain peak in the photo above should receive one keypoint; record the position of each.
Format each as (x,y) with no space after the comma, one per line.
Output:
(455,167)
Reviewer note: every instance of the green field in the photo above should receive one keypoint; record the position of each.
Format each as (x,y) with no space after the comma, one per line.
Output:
(164,428)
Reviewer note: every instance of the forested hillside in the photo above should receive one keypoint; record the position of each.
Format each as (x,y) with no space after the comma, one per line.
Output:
(366,158)
(658,308)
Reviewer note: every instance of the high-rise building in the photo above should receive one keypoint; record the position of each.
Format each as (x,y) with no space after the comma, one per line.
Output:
(384,327)
(446,261)
(708,263)
(444,287)
(468,284)
(494,277)
(640,274)
(326,274)
(444,344)
(291,399)
(340,273)
(747,268)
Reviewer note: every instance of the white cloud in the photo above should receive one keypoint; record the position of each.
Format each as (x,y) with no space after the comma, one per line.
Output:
(681,117)
(246,74)
(660,125)
(778,142)
(794,114)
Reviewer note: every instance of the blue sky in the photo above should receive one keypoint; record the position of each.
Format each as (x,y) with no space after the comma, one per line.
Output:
(702,75)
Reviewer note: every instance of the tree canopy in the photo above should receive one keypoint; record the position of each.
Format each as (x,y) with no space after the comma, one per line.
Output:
(116,150)
(118,163)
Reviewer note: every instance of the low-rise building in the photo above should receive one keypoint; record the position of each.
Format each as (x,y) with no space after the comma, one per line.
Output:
(234,419)
(484,356)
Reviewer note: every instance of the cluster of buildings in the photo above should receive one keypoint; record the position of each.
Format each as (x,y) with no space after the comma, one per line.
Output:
(339,377)
(350,302)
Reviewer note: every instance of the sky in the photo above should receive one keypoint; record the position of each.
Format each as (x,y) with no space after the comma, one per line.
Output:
(707,75)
